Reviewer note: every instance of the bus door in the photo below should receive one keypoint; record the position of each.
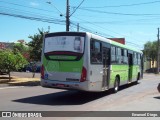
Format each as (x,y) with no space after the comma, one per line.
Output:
(130,63)
(106,69)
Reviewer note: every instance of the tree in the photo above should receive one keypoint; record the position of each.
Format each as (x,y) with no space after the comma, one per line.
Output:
(11,60)
(150,50)
(23,49)
(36,45)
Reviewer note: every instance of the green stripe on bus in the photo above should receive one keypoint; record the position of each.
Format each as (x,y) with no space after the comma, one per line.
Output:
(63,66)
(123,72)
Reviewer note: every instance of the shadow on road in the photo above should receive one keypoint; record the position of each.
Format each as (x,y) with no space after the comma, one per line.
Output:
(4,79)
(157,97)
(25,83)
(67,97)
(63,98)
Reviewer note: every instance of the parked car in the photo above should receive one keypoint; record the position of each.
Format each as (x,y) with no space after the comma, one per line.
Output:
(30,66)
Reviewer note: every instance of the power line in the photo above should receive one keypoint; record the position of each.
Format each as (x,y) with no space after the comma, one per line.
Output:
(117,13)
(49,20)
(34,18)
(56,22)
(122,21)
(91,30)
(104,35)
(97,25)
(76,8)
(127,5)
(46,19)
(13,10)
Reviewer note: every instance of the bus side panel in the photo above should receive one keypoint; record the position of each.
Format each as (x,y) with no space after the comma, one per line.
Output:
(121,71)
(86,62)
(96,74)
(135,71)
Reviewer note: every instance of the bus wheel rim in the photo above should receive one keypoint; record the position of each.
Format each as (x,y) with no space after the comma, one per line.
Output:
(116,86)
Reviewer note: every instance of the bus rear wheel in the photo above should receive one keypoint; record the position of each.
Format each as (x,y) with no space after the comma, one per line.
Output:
(116,85)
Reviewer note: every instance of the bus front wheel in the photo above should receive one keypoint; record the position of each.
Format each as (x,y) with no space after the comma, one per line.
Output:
(116,85)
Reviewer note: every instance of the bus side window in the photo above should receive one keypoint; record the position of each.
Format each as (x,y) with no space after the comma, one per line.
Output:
(139,59)
(125,57)
(122,56)
(119,55)
(96,52)
(113,54)
(135,58)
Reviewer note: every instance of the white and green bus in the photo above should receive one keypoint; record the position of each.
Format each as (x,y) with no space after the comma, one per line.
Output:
(88,62)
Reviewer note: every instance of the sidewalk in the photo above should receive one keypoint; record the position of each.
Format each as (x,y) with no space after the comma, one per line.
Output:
(20,79)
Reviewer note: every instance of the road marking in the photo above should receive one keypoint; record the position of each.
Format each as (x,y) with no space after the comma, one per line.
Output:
(11,87)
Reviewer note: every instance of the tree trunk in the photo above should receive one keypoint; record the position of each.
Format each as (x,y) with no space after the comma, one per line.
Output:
(33,75)
(9,75)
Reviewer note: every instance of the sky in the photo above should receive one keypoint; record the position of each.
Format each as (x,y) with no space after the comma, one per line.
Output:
(135,20)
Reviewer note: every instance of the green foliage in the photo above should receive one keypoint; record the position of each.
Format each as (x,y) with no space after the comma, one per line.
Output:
(22,48)
(150,50)
(11,60)
(36,45)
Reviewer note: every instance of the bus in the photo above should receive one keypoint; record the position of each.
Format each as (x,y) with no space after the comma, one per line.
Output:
(88,62)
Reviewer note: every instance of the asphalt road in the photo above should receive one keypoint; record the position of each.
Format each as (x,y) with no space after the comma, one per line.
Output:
(141,97)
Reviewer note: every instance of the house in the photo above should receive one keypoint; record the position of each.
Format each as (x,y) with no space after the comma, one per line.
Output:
(6,45)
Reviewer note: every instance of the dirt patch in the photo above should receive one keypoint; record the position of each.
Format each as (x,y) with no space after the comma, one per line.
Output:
(19,81)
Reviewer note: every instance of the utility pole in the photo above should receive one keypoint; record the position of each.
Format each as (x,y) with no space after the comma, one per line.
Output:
(158,57)
(67,16)
(77,27)
(48,28)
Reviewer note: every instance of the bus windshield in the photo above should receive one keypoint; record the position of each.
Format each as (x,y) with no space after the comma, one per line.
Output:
(65,44)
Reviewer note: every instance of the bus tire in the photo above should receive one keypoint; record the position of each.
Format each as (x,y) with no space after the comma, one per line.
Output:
(116,84)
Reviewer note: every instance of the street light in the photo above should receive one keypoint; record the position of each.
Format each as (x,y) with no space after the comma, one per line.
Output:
(61,14)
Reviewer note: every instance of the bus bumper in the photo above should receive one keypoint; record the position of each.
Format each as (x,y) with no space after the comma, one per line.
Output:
(65,85)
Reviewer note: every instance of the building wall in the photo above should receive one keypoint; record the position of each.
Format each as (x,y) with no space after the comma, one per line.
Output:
(149,65)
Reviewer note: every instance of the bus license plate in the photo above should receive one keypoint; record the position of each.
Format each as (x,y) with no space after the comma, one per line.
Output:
(60,85)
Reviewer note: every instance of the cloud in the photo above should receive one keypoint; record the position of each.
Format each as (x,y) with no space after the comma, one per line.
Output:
(34,4)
